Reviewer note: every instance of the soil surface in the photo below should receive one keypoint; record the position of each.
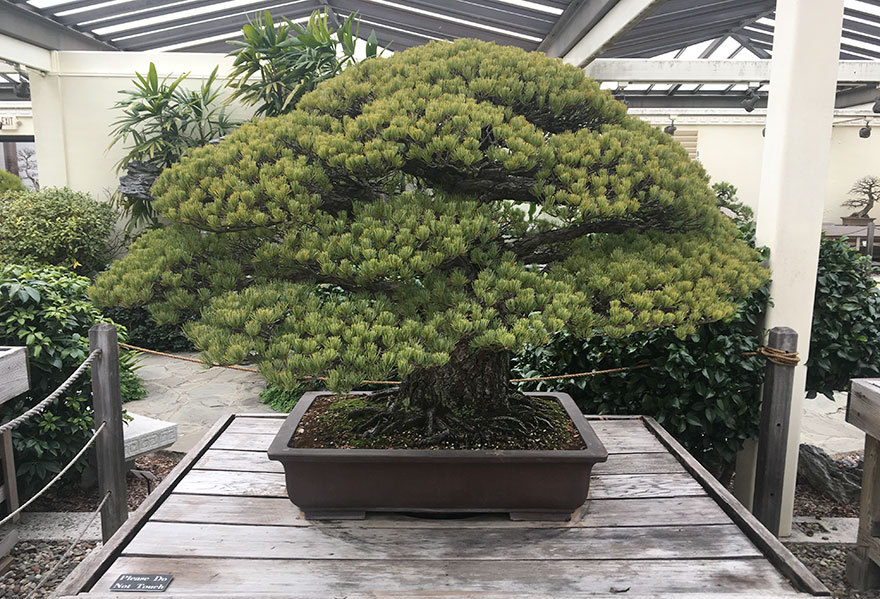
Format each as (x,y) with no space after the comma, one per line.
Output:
(328,423)
(69,496)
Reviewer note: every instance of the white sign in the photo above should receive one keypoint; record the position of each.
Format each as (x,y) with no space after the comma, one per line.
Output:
(8,122)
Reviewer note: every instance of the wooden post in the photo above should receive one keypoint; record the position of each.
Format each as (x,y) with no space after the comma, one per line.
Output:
(109,448)
(863,411)
(773,433)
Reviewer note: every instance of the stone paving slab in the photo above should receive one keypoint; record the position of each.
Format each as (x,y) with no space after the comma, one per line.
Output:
(823,530)
(824,425)
(195,397)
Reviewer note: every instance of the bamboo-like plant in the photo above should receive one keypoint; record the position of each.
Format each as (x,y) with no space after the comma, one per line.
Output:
(291,60)
(160,120)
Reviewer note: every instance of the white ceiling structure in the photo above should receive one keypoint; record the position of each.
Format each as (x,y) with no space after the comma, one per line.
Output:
(578,31)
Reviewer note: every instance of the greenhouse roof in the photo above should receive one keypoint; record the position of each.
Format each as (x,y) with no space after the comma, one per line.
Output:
(576,30)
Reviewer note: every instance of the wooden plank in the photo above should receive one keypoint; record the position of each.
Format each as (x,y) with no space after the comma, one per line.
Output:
(10,480)
(334,578)
(96,563)
(624,463)
(278,511)
(863,406)
(174,539)
(630,486)
(622,441)
(427,594)
(255,426)
(639,463)
(773,549)
(14,377)
(862,571)
(271,484)
(242,484)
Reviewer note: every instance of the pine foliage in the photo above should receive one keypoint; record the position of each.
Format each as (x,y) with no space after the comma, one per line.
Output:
(456,194)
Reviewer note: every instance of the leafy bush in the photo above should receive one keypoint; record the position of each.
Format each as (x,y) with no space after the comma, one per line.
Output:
(56,226)
(700,388)
(46,309)
(276,64)
(845,340)
(9,182)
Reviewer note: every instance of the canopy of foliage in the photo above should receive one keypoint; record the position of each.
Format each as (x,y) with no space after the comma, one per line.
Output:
(455,201)
(56,226)
(47,309)
(865,193)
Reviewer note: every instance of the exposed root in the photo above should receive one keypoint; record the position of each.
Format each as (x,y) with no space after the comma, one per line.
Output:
(522,418)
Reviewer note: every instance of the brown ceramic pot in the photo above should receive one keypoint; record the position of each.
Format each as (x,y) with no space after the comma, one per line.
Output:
(527,484)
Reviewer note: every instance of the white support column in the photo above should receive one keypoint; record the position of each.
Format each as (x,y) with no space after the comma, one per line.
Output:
(796,156)
(50,132)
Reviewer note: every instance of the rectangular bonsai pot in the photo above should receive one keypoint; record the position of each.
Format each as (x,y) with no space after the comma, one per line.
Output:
(527,484)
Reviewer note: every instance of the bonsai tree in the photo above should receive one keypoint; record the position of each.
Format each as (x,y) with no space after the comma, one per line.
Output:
(865,192)
(424,216)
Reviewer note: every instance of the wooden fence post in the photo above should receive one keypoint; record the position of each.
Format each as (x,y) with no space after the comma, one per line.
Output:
(773,433)
(109,448)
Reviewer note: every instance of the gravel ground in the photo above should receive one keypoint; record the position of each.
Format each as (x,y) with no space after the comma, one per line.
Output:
(31,559)
(68,496)
(828,562)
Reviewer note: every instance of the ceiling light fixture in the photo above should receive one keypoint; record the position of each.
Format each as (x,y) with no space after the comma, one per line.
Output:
(670,128)
(865,132)
(751,99)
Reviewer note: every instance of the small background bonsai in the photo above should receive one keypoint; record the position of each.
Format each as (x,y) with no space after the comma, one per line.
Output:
(865,192)
(422,217)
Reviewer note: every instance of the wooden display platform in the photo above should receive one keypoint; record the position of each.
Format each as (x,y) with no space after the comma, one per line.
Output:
(657,525)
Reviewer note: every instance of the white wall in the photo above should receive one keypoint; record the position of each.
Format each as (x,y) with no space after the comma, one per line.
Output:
(73,115)
(730,146)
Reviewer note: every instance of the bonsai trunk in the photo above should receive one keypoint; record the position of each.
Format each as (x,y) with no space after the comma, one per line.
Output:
(477,380)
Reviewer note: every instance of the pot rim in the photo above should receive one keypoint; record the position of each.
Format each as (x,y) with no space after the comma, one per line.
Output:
(595,451)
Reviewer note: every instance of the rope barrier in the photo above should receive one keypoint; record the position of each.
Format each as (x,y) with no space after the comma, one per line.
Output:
(67,552)
(776,356)
(40,407)
(57,476)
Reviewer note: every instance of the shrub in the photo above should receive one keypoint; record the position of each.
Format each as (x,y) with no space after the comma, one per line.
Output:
(375,230)
(9,182)
(46,309)
(58,227)
(700,388)
(845,340)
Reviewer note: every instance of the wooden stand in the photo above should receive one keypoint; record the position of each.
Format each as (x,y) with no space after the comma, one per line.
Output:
(863,411)
(14,380)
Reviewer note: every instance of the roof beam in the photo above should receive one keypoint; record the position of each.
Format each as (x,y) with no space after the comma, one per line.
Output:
(573,24)
(712,71)
(27,55)
(622,17)
(38,30)
(854,97)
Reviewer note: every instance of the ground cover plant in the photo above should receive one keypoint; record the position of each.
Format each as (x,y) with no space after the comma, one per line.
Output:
(46,308)
(424,216)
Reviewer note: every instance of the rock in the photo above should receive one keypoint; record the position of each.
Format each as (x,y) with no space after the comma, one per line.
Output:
(138,179)
(840,480)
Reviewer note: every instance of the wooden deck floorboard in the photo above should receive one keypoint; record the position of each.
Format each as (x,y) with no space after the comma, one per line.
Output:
(225,528)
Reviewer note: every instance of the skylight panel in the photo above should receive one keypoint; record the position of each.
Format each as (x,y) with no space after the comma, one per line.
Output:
(202,10)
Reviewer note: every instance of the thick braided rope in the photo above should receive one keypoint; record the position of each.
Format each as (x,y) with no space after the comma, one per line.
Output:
(58,476)
(40,407)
